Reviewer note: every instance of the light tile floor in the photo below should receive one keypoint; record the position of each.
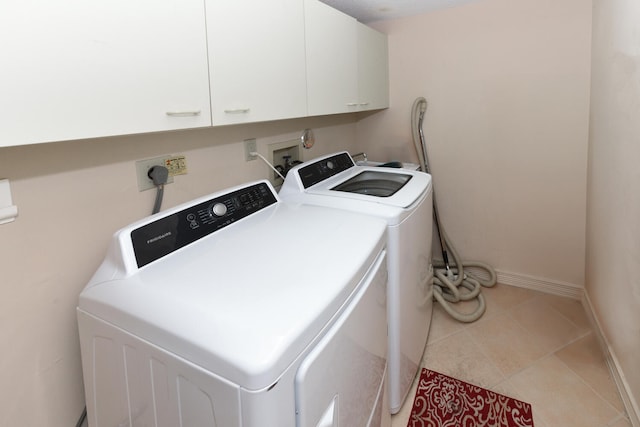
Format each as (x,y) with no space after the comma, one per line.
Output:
(532,346)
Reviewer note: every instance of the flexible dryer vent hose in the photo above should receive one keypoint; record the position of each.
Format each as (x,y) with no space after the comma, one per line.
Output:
(448,279)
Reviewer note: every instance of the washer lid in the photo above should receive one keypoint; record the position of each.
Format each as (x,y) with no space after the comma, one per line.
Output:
(331,175)
(374,183)
(246,301)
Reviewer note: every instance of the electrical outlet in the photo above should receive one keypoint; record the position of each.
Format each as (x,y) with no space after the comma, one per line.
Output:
(250,146)
(142,170)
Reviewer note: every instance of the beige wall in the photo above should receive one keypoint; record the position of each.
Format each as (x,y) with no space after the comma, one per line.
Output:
(508,89)
(71,197)
(613,213)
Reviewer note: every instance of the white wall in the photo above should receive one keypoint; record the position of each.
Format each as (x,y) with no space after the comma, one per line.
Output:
(71,197)
(507,126)
(613,213)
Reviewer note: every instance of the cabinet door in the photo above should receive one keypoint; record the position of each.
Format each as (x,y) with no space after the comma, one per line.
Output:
(76,69)
(256,60)
(331,40)
(373,69)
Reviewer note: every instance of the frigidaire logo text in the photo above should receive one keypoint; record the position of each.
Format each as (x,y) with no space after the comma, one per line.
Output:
(162,236)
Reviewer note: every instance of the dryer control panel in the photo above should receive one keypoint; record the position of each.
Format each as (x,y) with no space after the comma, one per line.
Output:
(325,168)
(159,238)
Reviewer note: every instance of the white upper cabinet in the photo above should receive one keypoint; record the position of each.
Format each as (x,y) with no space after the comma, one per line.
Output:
(332,60)
(347,62)
(256,60)
(76,69)
(373,69)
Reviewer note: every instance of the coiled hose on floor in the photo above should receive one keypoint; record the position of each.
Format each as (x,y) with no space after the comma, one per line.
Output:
(448,279)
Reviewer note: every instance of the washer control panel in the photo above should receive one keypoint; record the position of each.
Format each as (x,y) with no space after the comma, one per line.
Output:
(161,237)
(324,168)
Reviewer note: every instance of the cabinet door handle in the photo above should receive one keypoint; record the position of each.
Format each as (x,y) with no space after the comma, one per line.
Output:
(183,113)
(352,104)
(238,111)
(362,104)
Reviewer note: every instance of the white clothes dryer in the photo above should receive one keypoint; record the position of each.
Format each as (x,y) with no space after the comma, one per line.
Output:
(403,198)
(239,310)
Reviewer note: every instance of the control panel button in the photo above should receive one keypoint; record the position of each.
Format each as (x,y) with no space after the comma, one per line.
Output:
(219,209)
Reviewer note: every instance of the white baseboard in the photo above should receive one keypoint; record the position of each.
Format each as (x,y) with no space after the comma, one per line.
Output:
(549,286)
(630,403)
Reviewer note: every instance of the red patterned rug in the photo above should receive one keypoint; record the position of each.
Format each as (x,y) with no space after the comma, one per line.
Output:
(442,401)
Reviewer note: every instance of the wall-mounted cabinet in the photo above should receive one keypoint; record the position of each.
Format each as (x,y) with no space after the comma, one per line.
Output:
(332,61)
(347,62)
(256,60)
(75,69)
(373,69)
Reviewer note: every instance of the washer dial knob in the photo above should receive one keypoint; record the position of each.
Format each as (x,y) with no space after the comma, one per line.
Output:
(219,209)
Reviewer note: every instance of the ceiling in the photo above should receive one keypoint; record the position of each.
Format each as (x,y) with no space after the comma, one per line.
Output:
(377,10)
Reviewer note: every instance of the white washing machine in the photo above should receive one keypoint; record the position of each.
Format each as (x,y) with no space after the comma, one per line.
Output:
(239,310)
(403,198)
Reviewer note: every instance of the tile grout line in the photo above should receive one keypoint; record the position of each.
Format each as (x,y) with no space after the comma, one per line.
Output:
(584,382)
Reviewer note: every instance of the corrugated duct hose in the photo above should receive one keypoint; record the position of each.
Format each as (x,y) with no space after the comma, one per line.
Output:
(448,279)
